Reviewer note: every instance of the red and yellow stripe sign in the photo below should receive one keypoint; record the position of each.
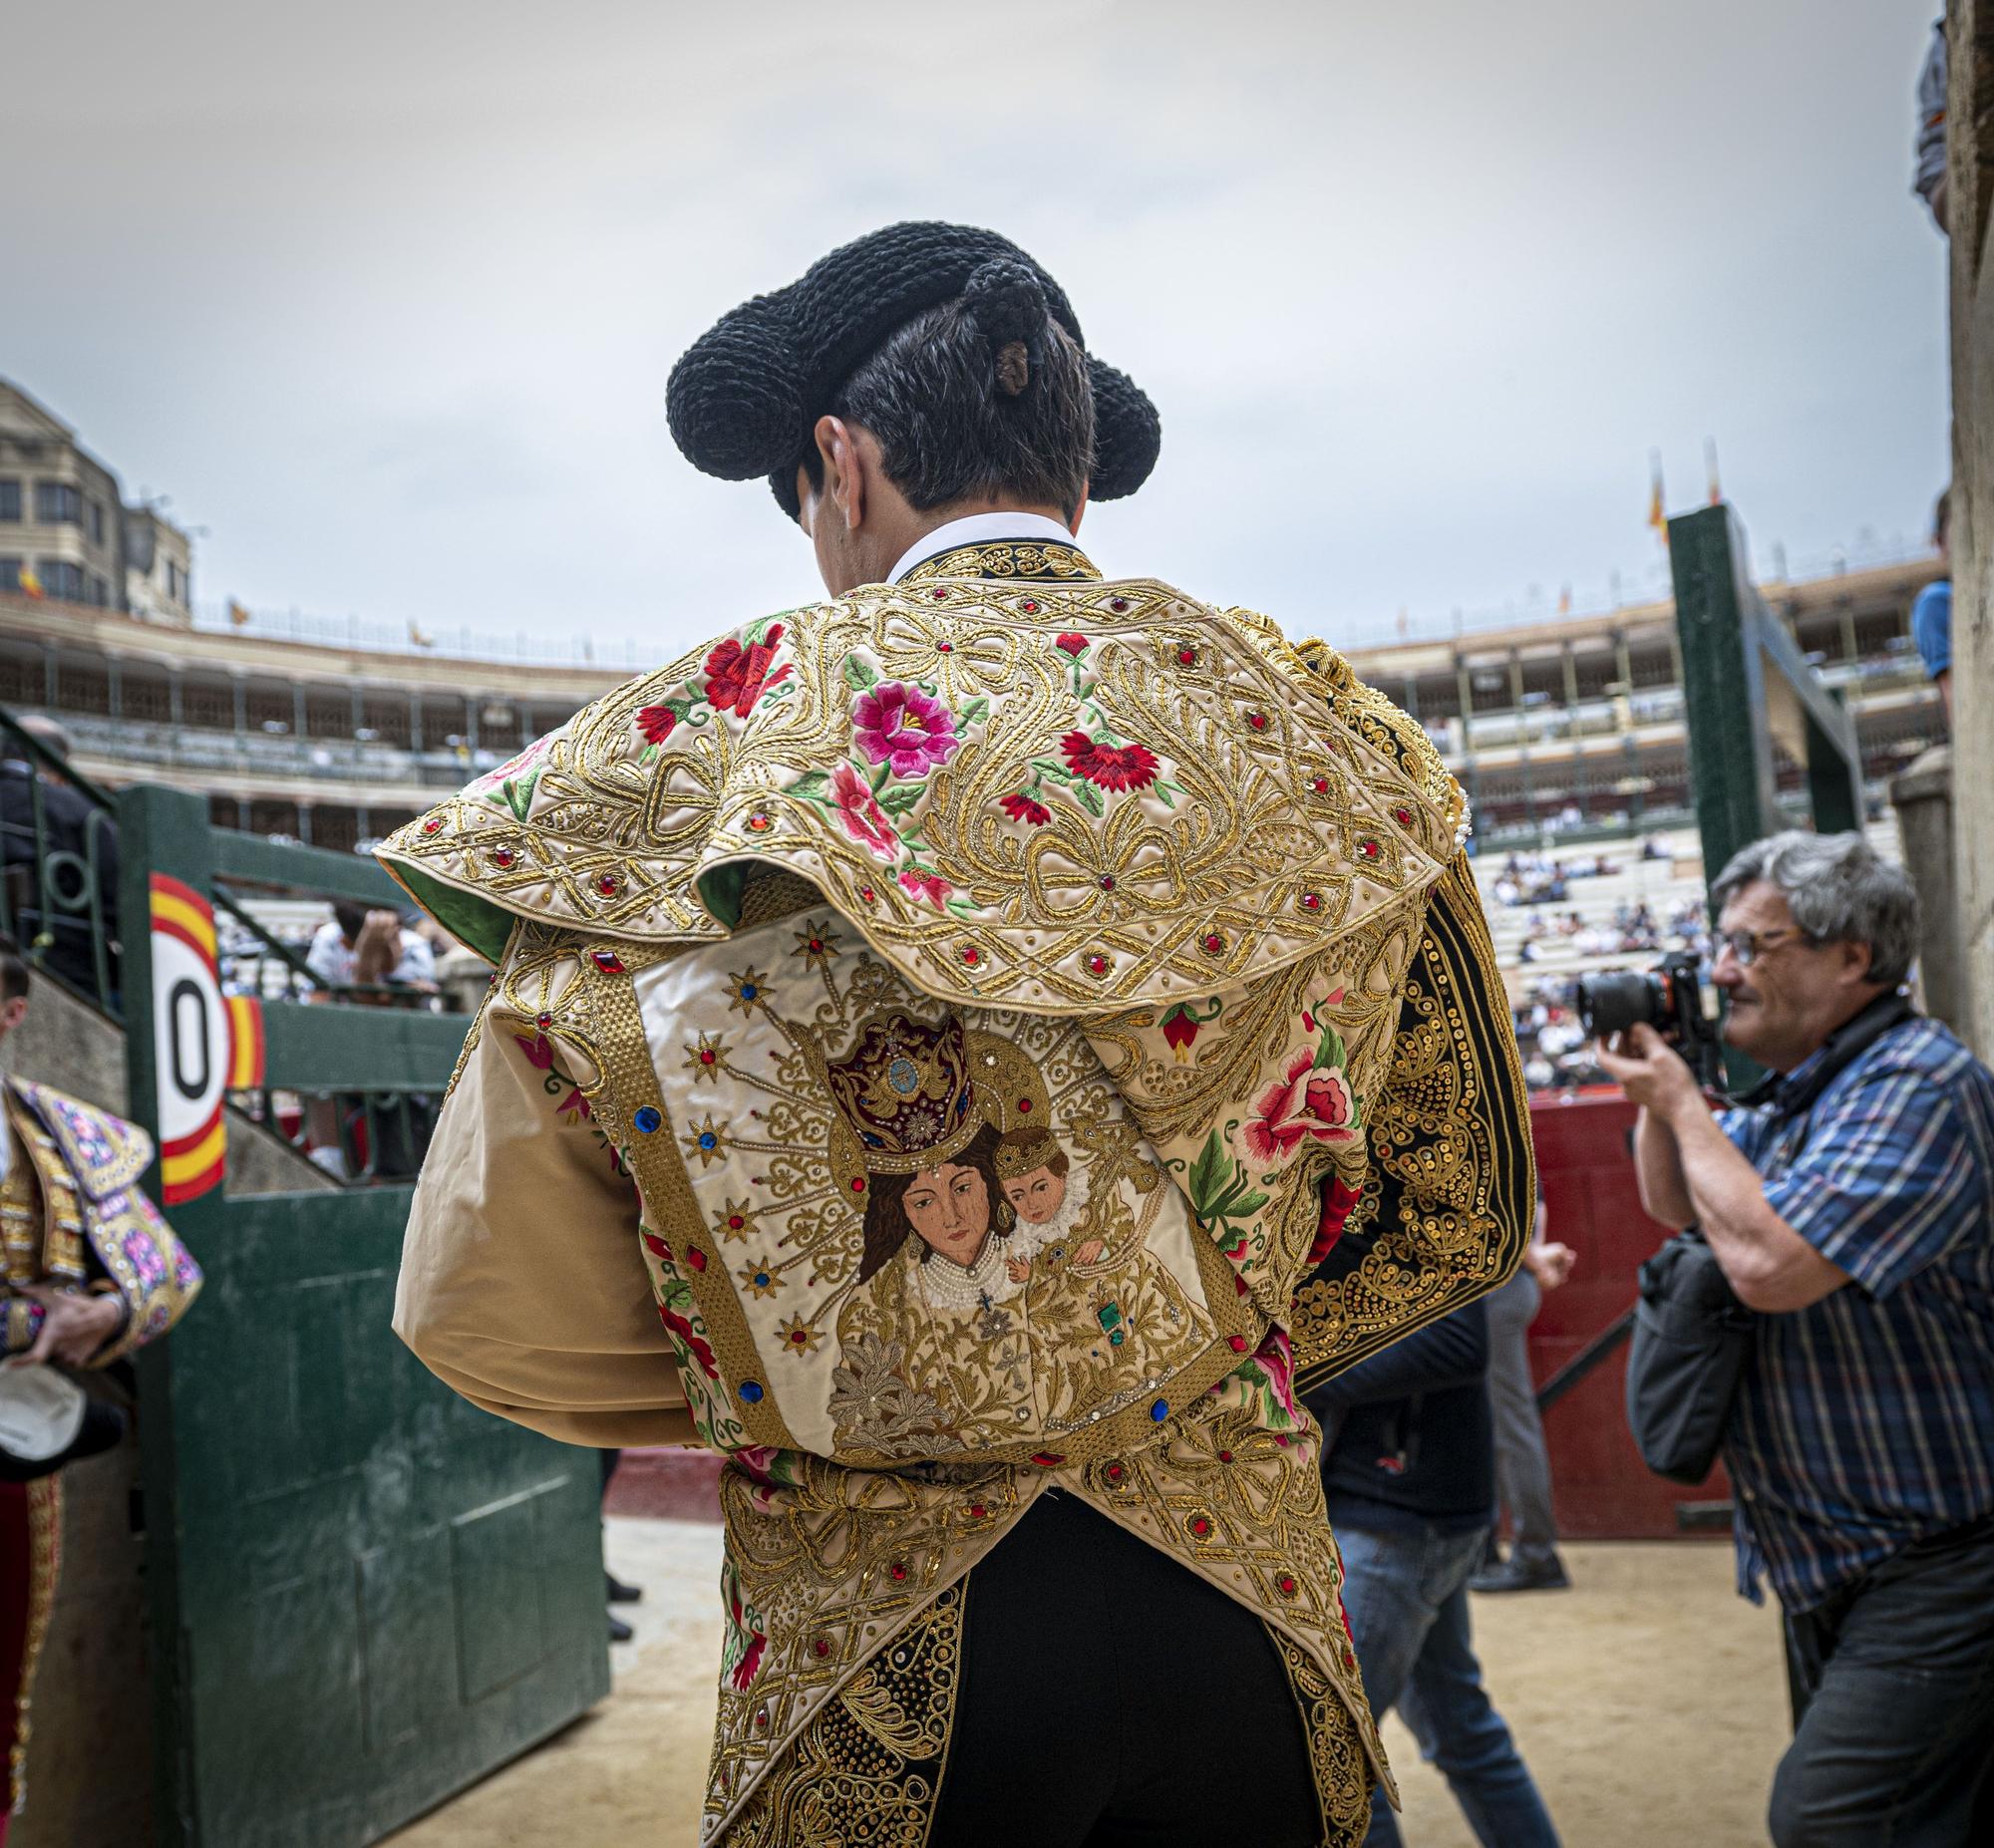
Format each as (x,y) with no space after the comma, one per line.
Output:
(245,1042)
(191,1042)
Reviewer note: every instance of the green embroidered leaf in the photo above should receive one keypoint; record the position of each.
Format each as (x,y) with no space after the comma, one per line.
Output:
(1207,1174)
(811,786)
(901,797)
(1330,1052)
(857,676)
(1089,797)
(974,712)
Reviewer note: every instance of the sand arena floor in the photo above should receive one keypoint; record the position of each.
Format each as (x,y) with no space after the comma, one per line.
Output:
(1648,1700)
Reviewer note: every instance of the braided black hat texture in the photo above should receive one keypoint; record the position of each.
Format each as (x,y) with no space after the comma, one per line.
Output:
(743,398)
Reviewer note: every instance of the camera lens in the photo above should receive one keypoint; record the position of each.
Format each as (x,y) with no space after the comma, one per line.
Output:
(1611,1002)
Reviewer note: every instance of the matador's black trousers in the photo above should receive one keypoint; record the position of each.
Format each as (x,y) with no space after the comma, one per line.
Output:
(1111,1699)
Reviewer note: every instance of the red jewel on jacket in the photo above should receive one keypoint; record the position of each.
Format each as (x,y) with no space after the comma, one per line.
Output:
(433,825)
(1286,1584)
(1118,604)
(1226,1457)
(1237,1343)
(759,823)
(607,885)
(1259,721)
(1403,815)
(1200,1526)
(820,1647)
(1311,901)
(1186,657)
(1369,848)
(501,857)
(695,1257)
(1030,606)
(1097,964)
(1113,1473)
(940,593)
(972,956)
(1213,943)
(977,1511)
(944,648)
(607,961)
(1320,786)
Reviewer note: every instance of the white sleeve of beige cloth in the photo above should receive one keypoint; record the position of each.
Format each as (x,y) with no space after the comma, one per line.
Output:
(522,1283)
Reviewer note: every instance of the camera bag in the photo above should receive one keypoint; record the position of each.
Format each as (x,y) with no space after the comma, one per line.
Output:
(1691,1332)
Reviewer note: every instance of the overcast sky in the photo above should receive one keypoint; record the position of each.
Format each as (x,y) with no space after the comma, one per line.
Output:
(385,296)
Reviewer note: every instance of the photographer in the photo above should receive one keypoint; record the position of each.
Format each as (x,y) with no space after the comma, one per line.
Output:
(1856,1215)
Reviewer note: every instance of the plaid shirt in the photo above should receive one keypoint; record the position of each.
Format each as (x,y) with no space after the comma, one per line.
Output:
(1867,1419)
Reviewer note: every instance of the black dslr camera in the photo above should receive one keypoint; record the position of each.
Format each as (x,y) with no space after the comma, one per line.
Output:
(1670,996)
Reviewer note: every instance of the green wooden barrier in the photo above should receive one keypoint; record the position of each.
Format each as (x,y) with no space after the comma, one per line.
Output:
(364,1594)
(1746,687)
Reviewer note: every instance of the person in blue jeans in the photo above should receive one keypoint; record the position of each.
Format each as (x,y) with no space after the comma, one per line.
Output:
(1408,1470)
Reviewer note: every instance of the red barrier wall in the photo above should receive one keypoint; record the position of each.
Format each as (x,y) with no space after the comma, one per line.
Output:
(1602,1490)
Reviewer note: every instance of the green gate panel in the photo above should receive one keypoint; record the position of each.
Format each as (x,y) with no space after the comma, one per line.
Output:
(364,1592)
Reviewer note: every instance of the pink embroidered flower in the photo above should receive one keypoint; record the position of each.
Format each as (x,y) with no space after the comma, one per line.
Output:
(575,1104)
(1023,808)
(1075,645)
(931,886)
(898,724)
(540,1054)
(862,817)
(1109,766)
(1338,1198)
(1308,1104)
(736,676)
(656,723)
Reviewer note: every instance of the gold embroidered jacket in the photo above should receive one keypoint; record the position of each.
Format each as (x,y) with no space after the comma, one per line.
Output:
(72,1212)
(1003,989)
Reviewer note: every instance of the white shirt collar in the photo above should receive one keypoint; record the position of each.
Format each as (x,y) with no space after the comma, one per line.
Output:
(979,530)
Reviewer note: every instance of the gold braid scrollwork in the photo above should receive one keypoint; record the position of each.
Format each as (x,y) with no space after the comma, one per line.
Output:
(1451,1197)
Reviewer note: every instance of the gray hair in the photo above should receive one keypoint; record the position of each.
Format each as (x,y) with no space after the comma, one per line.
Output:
(1839,890)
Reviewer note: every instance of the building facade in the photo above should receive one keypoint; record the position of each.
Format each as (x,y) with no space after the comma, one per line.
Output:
(1570,724)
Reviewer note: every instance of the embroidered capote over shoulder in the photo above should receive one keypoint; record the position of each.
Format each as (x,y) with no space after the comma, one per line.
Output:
(1051,795)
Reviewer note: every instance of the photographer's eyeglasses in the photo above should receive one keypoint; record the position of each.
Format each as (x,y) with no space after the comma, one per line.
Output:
(1747,945)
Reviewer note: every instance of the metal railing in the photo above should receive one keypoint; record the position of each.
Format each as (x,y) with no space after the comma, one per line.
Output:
(60,896)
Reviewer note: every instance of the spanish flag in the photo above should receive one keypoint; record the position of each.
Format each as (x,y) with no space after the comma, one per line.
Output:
(238,614)
(1656,517)
(31,585)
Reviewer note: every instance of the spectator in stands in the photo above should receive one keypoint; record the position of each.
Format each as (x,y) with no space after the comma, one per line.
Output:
(1931,614)
(361,948)
(368,949)
(1522,1463)
(1928,173)
(54,877)
(1854,1209)
(1408,1471)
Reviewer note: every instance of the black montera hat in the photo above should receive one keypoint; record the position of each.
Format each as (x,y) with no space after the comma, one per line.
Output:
(745,397)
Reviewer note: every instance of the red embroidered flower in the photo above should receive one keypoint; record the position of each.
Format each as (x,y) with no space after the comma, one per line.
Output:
(575,1104)
(697,1344)
(1338,1198)
(931,886)
(901,725)
(1179,1030)
(1075,645)
(757,1645)
(736,676)
(656,723)
(1023,808)
(1308,1104)
(1109,766)
(540,1054)
(860,815)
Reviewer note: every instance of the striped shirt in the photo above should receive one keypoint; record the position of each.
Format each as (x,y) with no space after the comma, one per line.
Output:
(1865,1420)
